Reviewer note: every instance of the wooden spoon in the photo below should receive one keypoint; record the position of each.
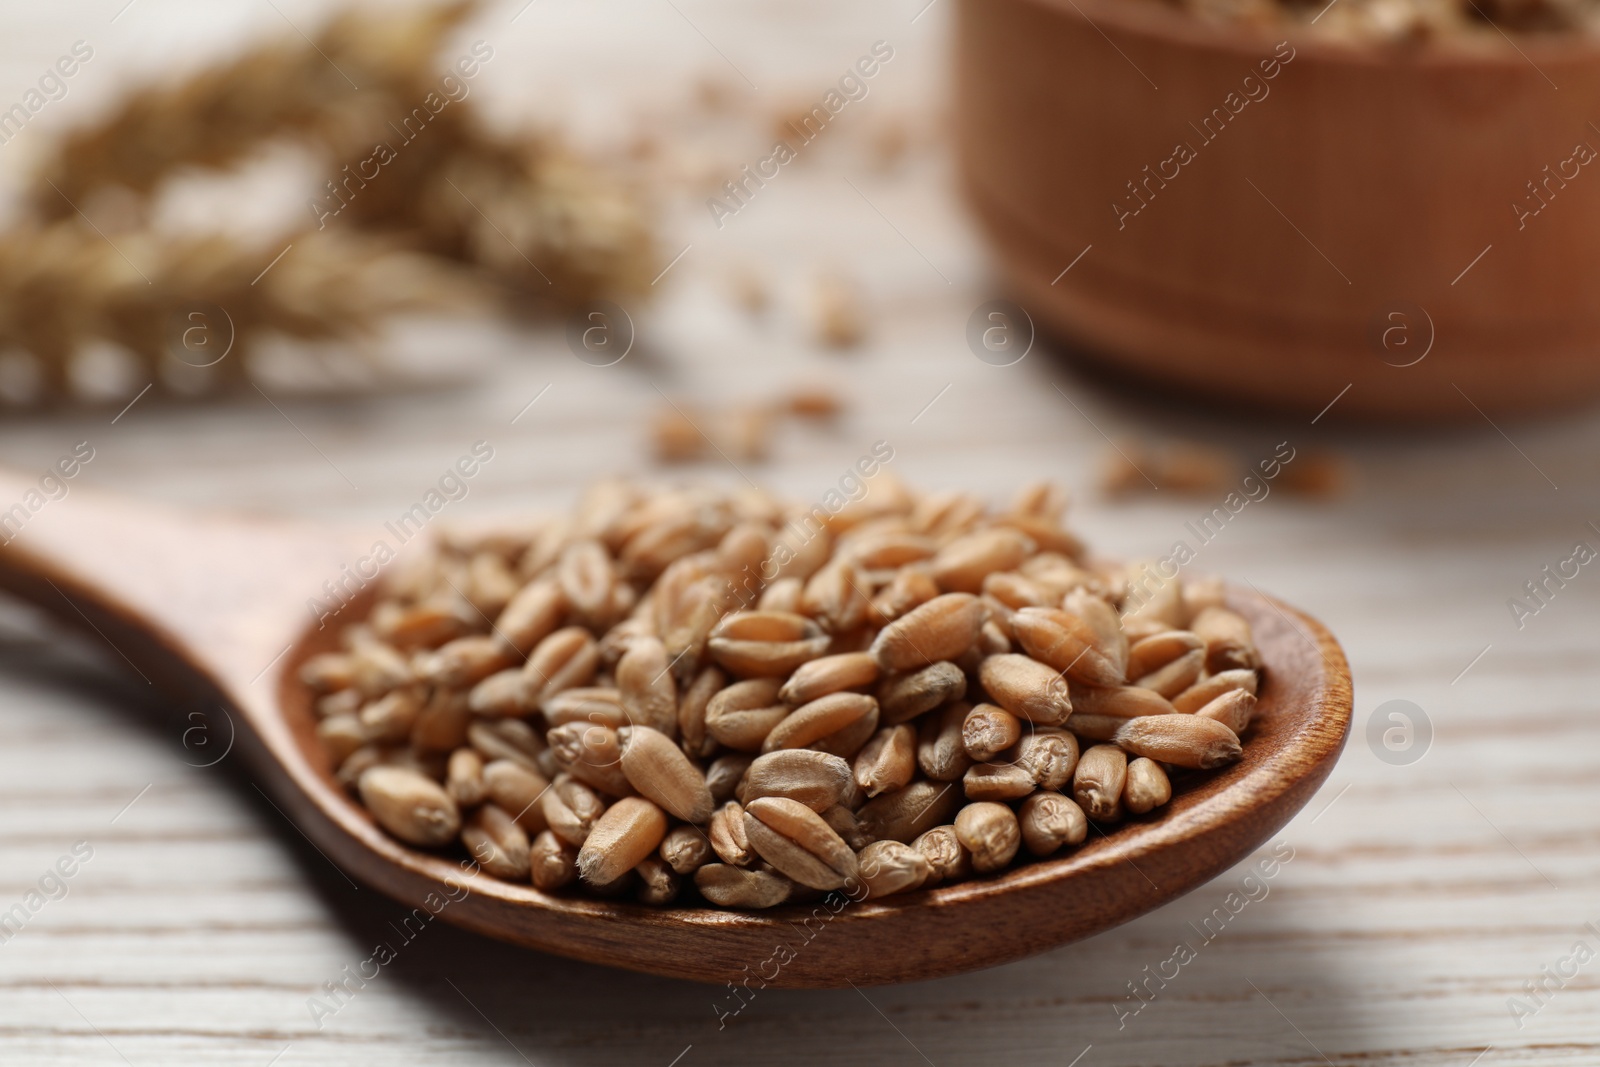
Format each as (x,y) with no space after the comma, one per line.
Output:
(216,609)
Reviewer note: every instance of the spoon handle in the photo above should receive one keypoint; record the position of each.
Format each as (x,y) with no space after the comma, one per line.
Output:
(209,609)
(176,595)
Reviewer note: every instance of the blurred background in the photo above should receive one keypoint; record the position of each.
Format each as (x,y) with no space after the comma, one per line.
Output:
(564,253)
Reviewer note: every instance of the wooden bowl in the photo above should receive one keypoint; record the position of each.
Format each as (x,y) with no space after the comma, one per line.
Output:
(1366,217)
(215,610)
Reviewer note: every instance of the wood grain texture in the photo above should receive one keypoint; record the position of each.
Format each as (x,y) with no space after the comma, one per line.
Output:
(1419,898)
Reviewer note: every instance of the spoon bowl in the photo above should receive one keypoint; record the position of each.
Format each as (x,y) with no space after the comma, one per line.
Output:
(222,610)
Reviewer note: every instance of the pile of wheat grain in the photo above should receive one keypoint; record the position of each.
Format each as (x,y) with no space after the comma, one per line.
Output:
(706,689)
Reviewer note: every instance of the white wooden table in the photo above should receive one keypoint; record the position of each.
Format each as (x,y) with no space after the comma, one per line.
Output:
(1420,897)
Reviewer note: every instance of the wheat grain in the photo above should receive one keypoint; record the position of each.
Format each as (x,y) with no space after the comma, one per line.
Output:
(947,856)
(586,705)
(1049,820)
(1062,640)
(963,564)
(510,739)
(649,693)
(1234,709)
(833,597)
(1098,781)
(889,867)
(571,809)
(905,813)
(658,882)
(941,629)
(903,697)
(692,734)
(1208,689)
(822,717)
(659,770)
(840,320)
(1158,650)
(464,778)
(517,789)
(941,747)
(830,674)
(911,587)
(1228,642)
(1121,702)
(997,781)
(410,806)
(743,714)
(887,761)
(819,780)
(797,841)
(1147,786)
(563,660)
(989,832)
(623,837)
(1050,755)
(494,839)
(1183,740)
(341,736)
(724,775)
(593,755)
(987,731)
(1176,676)
(1026,688)
(766,643)
(733,887)
(843,822)
(500,694)
(727,835)
(686,849)
(553,862)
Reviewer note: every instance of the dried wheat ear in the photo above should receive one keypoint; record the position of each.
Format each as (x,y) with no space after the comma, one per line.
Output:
(526,211)
(699,695)
(522,216)
(83,317)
